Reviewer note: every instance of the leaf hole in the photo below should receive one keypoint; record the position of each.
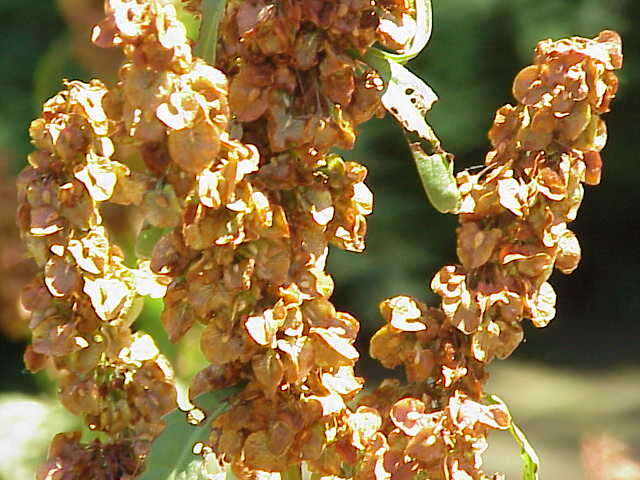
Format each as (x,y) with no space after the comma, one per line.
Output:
(197,448)
(196,416)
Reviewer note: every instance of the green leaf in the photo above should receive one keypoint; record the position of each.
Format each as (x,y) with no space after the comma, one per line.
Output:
(530,461)
(212,11)
(405,96)
(436,174)
(194,471)
(408,99)
(171,456)
(424,25)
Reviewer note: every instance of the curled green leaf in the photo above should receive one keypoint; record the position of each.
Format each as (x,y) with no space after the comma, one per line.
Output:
(408,99)
(530,461)
(424,24)
(436,174)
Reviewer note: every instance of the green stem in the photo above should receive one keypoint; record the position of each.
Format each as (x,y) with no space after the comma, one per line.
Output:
(212,11)
(294,472)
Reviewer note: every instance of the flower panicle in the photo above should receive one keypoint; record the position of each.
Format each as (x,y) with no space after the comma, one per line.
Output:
(240,201)
(513,232)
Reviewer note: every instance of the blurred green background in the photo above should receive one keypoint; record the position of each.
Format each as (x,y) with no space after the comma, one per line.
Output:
(578,374)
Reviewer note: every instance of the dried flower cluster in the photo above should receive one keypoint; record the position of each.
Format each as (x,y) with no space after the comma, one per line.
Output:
(243,227)
(513,231)
(294,93)
(231,170)
(84,302)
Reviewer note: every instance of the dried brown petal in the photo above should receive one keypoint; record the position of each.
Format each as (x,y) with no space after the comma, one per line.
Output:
(386,345)
(109,296)
(297,358)
(332,348)
(476,246)
(575,122)
(342,381)
(419,364)
(403,313)
(409,416)
(524,81)
(34,361)
(364,423)
(193,149)
(496,339)
(61,277)
(258,455)
(248,97)
(593,162)
(45,221)
(542,306)
(268,370)
(569,253)
(221,348)
(465,413)
(262,328)
(161,208)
